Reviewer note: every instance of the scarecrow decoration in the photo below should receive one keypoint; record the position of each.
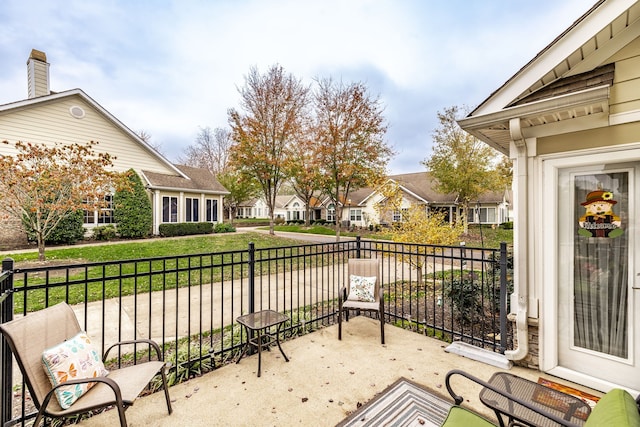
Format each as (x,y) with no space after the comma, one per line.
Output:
(599,219)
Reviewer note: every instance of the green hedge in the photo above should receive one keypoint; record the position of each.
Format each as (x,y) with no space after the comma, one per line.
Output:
(185,229)
(224,228)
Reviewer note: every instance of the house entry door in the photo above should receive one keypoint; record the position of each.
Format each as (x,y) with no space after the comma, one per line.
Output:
(598,287)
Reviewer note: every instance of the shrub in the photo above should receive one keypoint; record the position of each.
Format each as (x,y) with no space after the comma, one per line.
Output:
(104,232)
(465,293)
(185,229)
(68,231)
(132,209)
(507,225)
(223,228)
(279,220)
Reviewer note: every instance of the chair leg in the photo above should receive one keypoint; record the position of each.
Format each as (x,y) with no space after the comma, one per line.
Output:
(166,389)
(123,418)
(38,418)
(340,323)
(382,327)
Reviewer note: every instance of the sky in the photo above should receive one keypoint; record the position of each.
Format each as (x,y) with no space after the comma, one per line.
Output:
(170,68)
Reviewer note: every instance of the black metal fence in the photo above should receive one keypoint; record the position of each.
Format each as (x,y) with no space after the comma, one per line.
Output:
(189,303)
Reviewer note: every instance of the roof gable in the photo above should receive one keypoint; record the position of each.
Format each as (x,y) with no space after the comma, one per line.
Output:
(55,122)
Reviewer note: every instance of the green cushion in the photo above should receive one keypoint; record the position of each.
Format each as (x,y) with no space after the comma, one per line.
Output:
(464,418)
(616,408)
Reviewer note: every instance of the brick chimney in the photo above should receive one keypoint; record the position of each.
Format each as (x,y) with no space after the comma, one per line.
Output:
(38,74)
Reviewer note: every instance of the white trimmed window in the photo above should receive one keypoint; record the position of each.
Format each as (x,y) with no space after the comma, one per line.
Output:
(169,209)
(212,210)
(192,209)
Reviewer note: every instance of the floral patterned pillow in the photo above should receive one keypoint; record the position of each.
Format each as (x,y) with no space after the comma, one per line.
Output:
(362,288)
(73,359)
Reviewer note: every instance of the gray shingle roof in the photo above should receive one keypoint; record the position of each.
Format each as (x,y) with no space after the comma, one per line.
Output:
(200,180)
(423,185)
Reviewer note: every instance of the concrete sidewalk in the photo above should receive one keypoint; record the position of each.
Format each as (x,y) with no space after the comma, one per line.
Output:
(165,315)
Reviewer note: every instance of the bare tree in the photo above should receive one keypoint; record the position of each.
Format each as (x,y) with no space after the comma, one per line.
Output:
(146,137)
(272,119)
(210,150)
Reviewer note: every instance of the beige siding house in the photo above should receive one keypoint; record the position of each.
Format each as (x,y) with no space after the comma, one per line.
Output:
(570,120)
(363,207)
(74,117)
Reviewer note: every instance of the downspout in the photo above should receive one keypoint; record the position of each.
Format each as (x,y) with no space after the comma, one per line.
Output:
(520,298)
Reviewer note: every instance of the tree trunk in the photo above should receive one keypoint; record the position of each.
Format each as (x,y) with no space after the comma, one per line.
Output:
(465,222)
(307,216)
(338,222)
(41,256)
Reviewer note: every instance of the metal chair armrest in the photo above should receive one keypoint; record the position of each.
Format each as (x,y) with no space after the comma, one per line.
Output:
(152,343)
(108,381)
(459,399)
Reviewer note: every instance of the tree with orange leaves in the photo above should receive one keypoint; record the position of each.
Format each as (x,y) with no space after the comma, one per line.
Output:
(41,184)
(264,134)
(349,135)
(305,175)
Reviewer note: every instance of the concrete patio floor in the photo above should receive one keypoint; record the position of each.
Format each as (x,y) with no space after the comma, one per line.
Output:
(322,384)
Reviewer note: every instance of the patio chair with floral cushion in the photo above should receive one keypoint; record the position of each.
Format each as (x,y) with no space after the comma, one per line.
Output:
(364,291)
(65,374)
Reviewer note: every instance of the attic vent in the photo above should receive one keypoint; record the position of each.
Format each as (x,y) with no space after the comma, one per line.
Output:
(76,112)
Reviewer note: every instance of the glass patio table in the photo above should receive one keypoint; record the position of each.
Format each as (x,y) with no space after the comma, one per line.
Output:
(258,326)
(562,405)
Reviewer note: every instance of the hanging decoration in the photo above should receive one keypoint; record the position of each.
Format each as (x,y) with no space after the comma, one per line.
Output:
(599,219)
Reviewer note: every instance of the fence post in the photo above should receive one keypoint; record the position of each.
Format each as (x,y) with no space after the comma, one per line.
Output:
(503,297)
(358,246)
(6,374)
(252,277)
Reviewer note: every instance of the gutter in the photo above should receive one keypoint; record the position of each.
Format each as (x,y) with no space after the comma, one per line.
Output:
(521,295)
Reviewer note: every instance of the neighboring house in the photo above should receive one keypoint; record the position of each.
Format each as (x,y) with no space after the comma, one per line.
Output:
(254,208)
(570,120)
(363,207)
(178,193)
(288,207)
(193,196)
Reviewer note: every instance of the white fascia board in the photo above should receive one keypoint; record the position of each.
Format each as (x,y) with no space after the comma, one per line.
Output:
(186,190)
(559,103)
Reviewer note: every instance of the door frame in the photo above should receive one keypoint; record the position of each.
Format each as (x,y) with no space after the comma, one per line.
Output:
(550,166)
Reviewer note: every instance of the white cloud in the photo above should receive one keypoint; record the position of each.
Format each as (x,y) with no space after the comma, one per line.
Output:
(168,67)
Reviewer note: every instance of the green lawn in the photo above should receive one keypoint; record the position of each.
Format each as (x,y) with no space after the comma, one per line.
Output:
(97,252)
(156,248)
(126,278)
